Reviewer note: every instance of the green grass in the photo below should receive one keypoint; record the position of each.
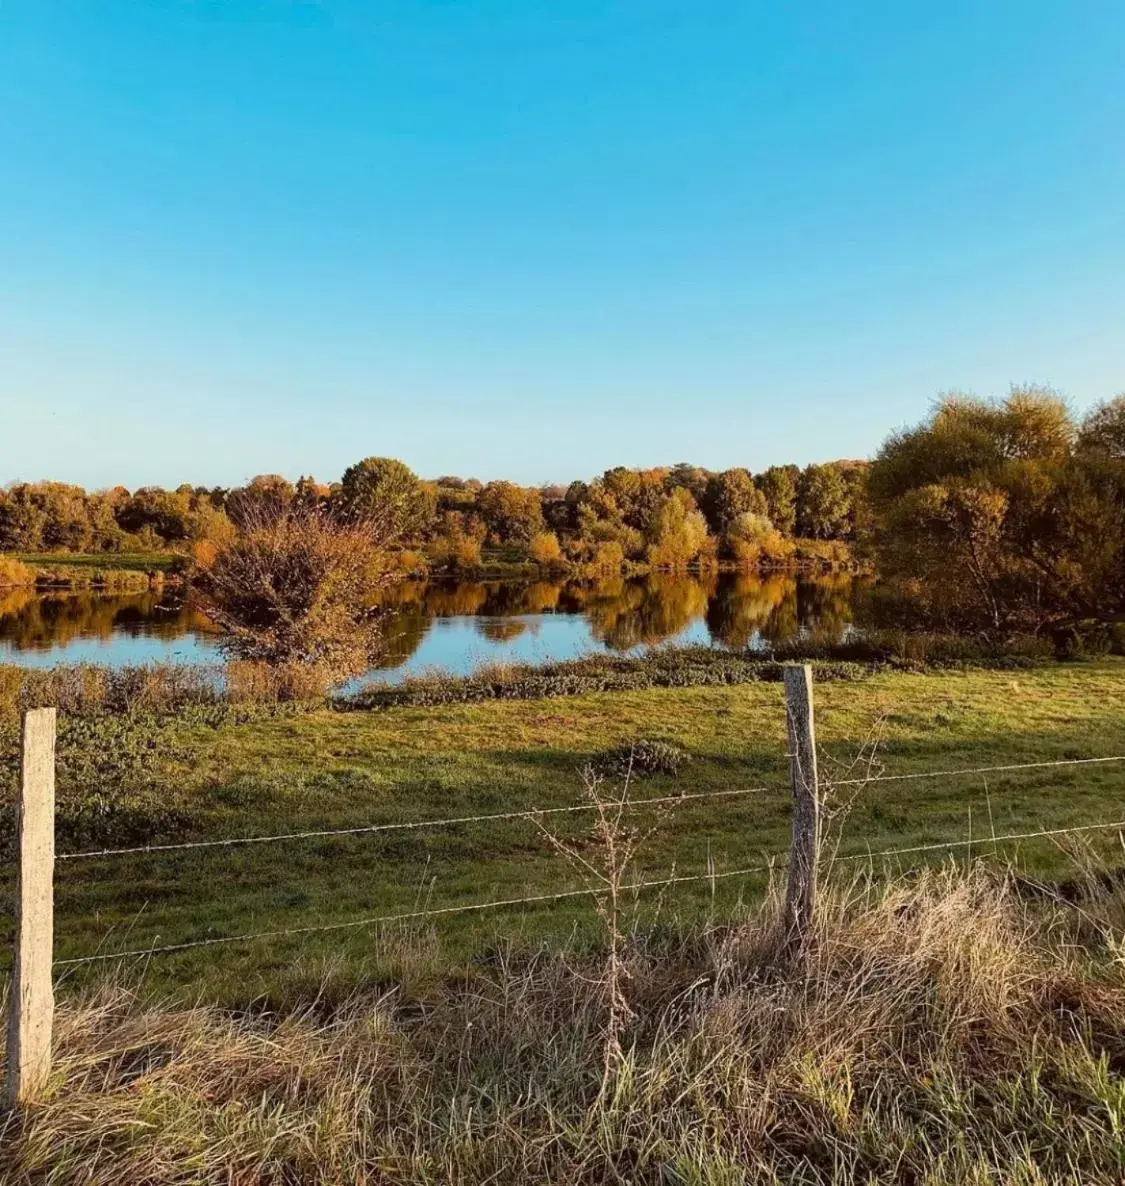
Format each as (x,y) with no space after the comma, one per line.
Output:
(108,561)
(205,774)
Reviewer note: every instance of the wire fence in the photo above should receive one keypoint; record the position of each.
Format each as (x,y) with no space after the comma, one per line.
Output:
(34,960)
(780,861)
(532,813)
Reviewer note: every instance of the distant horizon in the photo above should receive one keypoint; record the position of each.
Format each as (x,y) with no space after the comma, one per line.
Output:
(322,475)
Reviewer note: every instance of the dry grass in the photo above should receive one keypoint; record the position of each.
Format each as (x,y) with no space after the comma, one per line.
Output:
(82,689)
(942,1030)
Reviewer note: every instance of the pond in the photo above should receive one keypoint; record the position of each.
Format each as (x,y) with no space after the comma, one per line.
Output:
(454,627)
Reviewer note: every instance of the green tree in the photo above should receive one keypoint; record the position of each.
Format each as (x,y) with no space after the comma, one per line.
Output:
(729,495)
(387,495)
(778,485)
(824,503)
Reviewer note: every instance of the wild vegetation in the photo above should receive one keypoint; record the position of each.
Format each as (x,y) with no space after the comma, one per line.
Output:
(944,1029)
(158,763)
(964,1025)
(294,588)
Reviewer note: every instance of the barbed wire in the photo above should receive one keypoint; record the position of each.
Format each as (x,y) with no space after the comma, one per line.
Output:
(976,770)
(403,825)
(533,899)
(779,860)
(980,840)
(534,813)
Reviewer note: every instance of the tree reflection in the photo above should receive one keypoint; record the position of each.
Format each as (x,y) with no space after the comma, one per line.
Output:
(31,621)
(500,629)
(622,612)
(749,607)
(826,605)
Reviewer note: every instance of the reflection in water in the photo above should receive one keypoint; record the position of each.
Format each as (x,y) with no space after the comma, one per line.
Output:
(509,620)
(31,621)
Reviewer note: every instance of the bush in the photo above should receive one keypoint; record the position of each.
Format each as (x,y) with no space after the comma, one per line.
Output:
(753,540)
(544,549)
(667,667)
(14,572)
(641,759)
(296,586)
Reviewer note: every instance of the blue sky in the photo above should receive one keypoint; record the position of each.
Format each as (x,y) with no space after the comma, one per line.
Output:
(534,239)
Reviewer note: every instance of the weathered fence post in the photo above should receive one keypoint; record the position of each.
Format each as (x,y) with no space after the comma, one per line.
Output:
(31,998)
(801,892)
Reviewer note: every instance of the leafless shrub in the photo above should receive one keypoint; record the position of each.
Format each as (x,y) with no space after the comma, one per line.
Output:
(616,844)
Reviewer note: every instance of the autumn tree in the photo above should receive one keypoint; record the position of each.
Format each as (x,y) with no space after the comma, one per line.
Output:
(513,514)
(545,549)
(163,512)
(387,496)
(1103,430)
(677,534)
(638,494)
(989,517)
(823,502)
(727,496)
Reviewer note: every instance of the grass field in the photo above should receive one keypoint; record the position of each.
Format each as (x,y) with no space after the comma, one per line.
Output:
(128,780)
(107,561)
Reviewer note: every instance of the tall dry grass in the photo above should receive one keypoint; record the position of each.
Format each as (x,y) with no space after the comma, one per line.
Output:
(79,689)
(939,1030)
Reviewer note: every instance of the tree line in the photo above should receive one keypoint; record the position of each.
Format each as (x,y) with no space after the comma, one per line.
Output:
(665,517)
(998,517)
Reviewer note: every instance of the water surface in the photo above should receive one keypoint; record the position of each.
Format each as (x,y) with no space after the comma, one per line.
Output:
(454,627)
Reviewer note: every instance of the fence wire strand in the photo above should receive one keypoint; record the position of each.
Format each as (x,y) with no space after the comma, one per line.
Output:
(535,813)
(777,862)
(404,825)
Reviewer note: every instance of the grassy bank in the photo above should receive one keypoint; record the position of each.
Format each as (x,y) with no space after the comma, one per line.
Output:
(218,770)
(941,1031)
(117,572)
(512,563)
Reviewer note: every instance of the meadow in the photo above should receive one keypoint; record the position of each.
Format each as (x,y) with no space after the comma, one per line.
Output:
(137,777)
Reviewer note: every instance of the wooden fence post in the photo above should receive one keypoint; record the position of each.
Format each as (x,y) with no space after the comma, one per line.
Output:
(31,1002)
(800,896)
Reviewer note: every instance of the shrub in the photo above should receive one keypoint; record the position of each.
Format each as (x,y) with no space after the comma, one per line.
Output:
(544,548)
(666,667)
(296,586)
(13,572)
(641,759)
(752,540)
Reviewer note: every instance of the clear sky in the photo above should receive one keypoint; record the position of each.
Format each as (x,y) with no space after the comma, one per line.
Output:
(535,238)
